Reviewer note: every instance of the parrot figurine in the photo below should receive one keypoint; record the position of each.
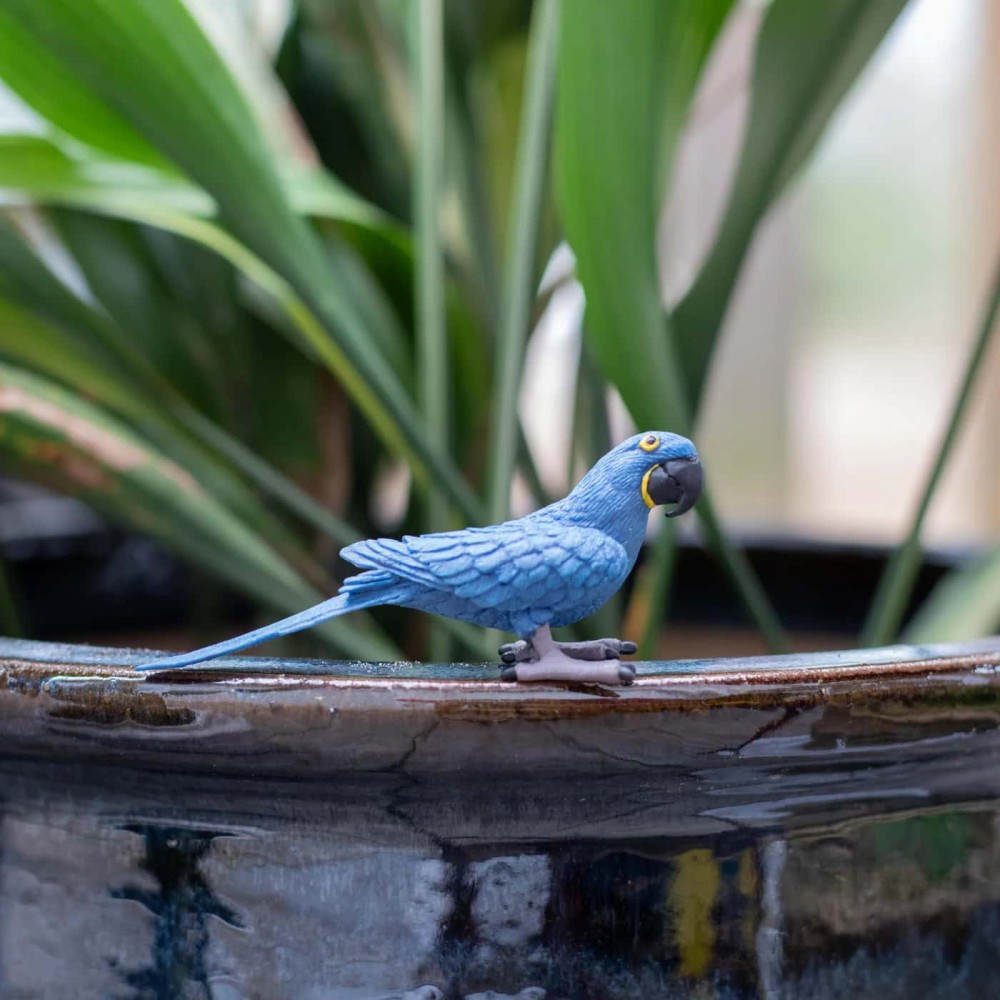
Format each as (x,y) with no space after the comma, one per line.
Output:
(550,568)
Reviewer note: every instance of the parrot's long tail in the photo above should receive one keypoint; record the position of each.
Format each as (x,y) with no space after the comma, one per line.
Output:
(362,591)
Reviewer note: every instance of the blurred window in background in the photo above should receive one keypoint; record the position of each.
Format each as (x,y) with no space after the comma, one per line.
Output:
(853,321)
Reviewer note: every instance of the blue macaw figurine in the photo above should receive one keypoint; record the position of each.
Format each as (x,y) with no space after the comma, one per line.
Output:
(550,568)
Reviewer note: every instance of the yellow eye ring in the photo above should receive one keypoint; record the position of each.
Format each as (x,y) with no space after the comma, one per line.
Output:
(649,443)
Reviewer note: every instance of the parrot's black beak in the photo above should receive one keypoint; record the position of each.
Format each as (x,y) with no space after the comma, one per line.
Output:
(678,481)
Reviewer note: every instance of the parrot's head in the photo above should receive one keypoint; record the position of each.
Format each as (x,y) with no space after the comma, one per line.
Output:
(662,467)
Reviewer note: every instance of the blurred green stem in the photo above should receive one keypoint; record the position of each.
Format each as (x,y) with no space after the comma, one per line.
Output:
(590,439)
(732,558)
(432,332)
(477,221)
(742,576)
(265,475)
(662,560)
(530,173)
(896,585)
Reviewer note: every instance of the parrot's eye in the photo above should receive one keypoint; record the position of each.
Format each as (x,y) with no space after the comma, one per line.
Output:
(649,443)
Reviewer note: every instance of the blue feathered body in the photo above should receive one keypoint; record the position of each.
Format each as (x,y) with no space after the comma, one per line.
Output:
(552,567)
(513,577)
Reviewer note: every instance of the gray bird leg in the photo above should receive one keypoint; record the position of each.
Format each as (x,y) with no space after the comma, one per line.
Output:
(593,649)
(548,662)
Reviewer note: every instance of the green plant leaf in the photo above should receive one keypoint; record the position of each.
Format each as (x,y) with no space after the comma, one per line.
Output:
(144,56)
(31,342)
(432,331)
(48,350)
(433,364)
(964,605)
(38,77)
(45,173)
(45,170)
(608,119)
(610,157)
(520,271)
(50,435)
(162,211)
(121,274)
(25,279)
(808,55)
(83,348)
(148,61)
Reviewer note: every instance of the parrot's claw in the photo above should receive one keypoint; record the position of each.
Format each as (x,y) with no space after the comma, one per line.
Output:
(514,652)
(596,649)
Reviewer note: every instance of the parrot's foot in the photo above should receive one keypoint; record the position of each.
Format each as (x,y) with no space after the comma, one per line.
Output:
(558,666)
(543,659)
(596,649)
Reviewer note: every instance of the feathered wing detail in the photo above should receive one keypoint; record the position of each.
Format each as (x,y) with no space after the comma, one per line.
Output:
(392,555)
(512,566)
(363,591)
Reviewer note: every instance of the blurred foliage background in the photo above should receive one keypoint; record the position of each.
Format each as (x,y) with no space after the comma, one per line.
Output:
(278,275)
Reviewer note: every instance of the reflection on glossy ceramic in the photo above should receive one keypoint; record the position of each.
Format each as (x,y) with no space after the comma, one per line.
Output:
(119,885)
(783,829)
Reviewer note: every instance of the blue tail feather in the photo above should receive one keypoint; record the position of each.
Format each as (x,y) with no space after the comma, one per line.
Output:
(352,599)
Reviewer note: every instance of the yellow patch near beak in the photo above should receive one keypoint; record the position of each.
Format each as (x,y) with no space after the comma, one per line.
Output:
(645,488)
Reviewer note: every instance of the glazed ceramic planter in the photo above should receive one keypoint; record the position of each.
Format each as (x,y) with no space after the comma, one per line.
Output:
(324,718)
(821,826)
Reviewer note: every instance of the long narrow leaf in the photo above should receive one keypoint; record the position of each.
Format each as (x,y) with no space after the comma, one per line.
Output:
(47,174)
(609,163)
(168,341)
(478,224)
(267,477)
(312,334)
(40,79)
(39,347)
(808,55)
(652,590)
(433,363)
(46,170)
(29,342)
(607,144)
(966,603)
(148,61)
(520,269)
(962,606)
(432,332)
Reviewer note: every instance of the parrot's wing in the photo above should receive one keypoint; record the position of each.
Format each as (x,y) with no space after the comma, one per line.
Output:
(509,567)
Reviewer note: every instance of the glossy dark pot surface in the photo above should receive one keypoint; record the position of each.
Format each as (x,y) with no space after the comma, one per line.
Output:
(824,826)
